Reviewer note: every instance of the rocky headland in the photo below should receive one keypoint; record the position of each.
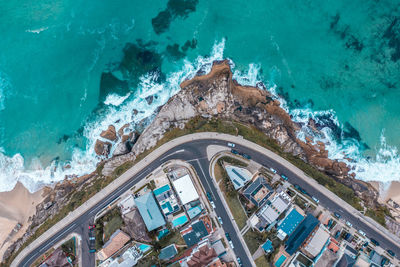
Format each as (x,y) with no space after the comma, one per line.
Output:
(213,95)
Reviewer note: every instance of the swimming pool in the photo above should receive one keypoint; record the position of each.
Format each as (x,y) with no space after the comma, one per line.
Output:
(144,247)
(193,212)
(180,220)
(162,233)
(161,190)
(279,262)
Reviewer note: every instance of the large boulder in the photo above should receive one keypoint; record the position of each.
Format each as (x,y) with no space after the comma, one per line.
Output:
(102,148)
(110,133)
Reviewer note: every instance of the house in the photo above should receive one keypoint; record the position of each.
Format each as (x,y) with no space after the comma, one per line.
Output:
(258,191)
(129,258)
(346,261)
(185,189)
(195,233)
(300,234)
(316,241)
(168,252)
(117,240)
(239,176)
(267,246)
(166,199)
(127,204)
(57,259)
(291,221)
(270,212)
(202,255)
(150,211)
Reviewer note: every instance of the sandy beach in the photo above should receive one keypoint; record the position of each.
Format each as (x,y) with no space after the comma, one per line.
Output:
(16,206)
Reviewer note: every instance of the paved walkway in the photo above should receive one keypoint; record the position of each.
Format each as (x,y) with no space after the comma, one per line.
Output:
(92,202)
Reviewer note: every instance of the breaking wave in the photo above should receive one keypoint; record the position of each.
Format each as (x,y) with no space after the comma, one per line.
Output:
(384,166)
(119,111)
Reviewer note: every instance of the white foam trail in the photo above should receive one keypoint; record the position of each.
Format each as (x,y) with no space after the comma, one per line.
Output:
(12,169)
(115,100)
(37,31)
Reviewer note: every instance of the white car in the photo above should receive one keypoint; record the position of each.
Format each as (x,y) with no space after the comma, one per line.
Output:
(362,232)
(220,220)
(272,170)
(315,199)
(231,244)
(212,204)
(231,145)
(349,224)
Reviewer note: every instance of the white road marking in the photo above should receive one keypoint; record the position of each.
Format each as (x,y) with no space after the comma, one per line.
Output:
(205,177)
(30,259)
(173,153)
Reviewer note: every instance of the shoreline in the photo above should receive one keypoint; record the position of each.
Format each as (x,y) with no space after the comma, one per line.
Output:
(16,207)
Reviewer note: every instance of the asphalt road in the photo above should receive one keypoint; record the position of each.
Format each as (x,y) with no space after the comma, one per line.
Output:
(195,153)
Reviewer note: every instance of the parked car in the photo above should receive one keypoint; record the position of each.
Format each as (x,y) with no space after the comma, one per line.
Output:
(361,232)
(337,234)
(373,241)
(245,156)
(284,177)
(391,253)
(91,226)
(212,204)
(220,220)
(272,170)
(337,215)
(315,199)
(231,244)
(349,224)
(228,237)
(231,145)
(210,199)
(235,152)
(239,260)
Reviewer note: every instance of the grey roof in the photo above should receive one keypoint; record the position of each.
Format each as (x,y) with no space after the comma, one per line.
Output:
(168,252)
(199,231)
(254,187)
(150,211)
(346,261)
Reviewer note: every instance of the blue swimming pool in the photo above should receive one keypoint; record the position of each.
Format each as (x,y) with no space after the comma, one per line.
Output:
(279,262)
(162,233)
(161,190)
(144,247)
(193,212)
(180,221)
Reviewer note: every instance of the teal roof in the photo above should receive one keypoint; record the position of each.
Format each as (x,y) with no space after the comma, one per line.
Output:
(150,211)
(168,252)
(291,222)
(267,246)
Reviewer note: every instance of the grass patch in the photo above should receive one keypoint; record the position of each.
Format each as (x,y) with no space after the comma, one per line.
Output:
(107,225)
(378,214)
(254,239)
(111,227)
(262,262)
(233,161)
(218,172)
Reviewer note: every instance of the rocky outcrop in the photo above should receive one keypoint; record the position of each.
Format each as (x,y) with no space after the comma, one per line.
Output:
(110,133)
(102,148)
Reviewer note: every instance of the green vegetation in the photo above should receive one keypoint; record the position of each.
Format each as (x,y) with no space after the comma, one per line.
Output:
(69,248)
(378,214)
(233,161)
(262,262)
(254,239)
(107,225)
(300,202)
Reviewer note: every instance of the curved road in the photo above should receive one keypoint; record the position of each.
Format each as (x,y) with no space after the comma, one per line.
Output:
(194,152)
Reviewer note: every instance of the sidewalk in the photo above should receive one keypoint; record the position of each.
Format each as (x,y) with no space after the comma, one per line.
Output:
(92,202)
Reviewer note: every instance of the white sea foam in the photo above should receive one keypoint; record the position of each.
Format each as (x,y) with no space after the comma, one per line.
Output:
(383,167)
(115,100)
(37,31)
(118,113)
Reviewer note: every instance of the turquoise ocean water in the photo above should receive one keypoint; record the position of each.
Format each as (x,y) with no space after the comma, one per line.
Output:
(68,69)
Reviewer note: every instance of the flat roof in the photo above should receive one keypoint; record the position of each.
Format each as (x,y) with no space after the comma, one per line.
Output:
(185,189)
(317,241)
(291,221)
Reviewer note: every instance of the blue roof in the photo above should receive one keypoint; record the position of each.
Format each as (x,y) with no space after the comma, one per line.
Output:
(300,234)
(267,246)
(150,211)
(199,231)
(193,212)
(291,222)
(254,188)
(168,252)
